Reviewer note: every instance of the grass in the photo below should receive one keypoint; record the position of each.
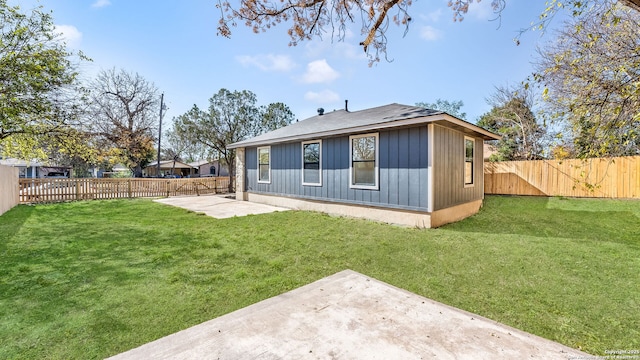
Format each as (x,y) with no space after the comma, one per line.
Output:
(92,279)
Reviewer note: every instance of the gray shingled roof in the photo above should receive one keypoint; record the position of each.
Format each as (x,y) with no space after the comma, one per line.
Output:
(347,122)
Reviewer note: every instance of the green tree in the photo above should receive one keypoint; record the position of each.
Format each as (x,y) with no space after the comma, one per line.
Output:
(275,115)
(231,117)
(512,118)
(40,96)
(124,112)
(591,75)
(76,149)
(181,147)
(453,108)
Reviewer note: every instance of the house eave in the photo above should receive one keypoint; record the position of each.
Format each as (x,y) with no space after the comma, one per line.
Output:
(465,127)
(440,119)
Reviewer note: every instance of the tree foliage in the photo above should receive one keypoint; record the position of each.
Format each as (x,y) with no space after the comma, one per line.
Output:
(183,148)
(125,111)
(591,76)
(314,18)
(40,98)
(512,118)
(453,108)
(232,116)
(309,19)
(273,116)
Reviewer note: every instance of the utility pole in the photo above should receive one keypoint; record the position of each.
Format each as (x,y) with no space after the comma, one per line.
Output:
(160,133)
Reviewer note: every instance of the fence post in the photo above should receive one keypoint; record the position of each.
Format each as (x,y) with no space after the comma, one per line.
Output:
(168,187)
(77,189)
(129,188)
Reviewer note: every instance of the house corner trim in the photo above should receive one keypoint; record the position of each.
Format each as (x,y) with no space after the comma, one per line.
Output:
(240,175)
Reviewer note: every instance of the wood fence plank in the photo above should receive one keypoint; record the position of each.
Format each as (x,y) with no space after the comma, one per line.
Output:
(609,177)
(56,190)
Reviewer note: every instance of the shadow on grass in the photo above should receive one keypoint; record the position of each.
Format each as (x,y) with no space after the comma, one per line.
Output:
(12,220)
(547,217)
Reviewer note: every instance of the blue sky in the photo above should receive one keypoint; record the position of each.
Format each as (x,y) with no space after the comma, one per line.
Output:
(174,45)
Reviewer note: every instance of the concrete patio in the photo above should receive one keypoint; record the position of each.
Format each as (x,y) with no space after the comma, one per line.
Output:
(351,316)
(219,207)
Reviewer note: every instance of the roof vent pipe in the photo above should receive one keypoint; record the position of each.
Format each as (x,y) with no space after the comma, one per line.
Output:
(346,105)
(320,111)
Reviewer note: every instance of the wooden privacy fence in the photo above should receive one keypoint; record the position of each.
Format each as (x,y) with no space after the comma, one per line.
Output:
(55,190)
(617,177)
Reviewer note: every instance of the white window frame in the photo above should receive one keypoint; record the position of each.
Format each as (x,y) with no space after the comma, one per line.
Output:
(319,183)
(376,186)
(268,181)
(473,162)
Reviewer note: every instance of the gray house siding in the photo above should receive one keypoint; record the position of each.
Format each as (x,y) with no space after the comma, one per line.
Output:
(402,171)
(448,169)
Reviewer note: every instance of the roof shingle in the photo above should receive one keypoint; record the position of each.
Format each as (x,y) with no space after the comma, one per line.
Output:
(346,122)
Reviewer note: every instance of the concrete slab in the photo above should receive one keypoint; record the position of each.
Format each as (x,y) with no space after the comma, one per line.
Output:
(219,207)
(351,316)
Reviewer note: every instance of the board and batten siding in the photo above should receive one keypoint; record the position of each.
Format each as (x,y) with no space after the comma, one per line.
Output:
(448,169)
(402,166)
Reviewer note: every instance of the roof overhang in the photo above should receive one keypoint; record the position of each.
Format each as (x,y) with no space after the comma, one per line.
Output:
(167,164)
(25,163)
(441,119)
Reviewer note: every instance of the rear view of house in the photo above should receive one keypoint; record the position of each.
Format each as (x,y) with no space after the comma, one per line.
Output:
(395,163)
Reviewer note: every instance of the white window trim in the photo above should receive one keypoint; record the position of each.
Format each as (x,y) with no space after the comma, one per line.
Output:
(376,164)
(319,183)
(258,161)
(473,162)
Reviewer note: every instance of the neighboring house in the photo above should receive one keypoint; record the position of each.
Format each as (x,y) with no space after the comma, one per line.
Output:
(169,168)
(394,163)
(36,169)
(210,168)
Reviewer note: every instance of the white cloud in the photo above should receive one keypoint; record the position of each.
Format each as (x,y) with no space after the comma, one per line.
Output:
(434,16)
(350,51)
(430,33)
(345,49)
(322,97)
(269,62)
(101,3)
(481,10)
(70,35)
(319,71)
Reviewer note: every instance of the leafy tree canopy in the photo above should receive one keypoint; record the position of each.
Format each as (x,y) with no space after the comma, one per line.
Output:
(591,81)
(232,116)
(453,108)
(512,118)
(40,99)
(183,149)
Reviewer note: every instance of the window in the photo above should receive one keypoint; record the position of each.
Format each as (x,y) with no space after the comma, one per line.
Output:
(469,144)
(311,163)
(264,164)
(363,151)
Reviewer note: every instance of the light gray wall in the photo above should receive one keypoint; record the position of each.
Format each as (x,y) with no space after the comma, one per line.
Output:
(8,188)
(402,164)
(221,170)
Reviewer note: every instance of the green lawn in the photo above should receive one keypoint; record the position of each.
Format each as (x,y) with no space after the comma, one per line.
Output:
(92,279)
